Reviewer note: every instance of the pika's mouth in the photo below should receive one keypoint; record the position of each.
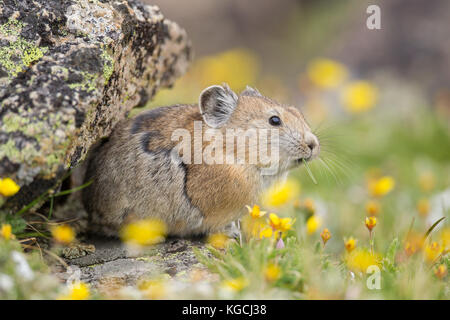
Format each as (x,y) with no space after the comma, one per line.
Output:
(301,160)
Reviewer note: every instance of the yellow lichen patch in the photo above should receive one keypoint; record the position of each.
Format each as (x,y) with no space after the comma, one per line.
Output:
(144,232)
(19,54)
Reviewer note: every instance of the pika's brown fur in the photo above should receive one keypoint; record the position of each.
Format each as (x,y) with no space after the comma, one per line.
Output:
(139,171)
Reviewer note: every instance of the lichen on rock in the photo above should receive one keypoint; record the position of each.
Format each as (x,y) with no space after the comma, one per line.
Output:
(69,71)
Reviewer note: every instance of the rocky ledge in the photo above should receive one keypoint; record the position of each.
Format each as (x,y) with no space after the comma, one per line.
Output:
(69,71)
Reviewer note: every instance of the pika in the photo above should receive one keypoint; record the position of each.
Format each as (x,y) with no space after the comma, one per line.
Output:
(141,171)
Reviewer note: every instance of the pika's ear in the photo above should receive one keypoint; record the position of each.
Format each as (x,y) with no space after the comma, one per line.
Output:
(249,91)
(217,103)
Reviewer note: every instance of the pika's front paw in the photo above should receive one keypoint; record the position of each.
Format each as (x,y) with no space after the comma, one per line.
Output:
(232,230)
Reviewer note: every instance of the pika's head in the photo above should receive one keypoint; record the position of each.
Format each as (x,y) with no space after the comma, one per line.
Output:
(221,108)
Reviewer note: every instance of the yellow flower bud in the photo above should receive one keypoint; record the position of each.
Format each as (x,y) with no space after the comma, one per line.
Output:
(371,222)
(372,208)
(441,271)
(350,244)
(325,235)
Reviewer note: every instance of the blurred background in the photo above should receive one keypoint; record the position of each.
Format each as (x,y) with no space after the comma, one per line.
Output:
(379,100)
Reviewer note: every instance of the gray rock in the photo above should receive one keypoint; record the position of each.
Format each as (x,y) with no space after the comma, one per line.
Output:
(69,71)
(113,263)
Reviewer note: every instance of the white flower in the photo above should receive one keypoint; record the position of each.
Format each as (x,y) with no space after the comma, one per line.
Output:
(22,267)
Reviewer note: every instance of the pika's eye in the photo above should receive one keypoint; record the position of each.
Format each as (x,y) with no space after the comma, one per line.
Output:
(275,121)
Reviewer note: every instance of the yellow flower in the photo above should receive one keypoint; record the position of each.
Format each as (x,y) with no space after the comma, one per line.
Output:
(313,223)
(266,233)
(423,207)
(432,251)
(280,193)
(78,291)
(371,222)
(441,271)
(272,272)
(63,234)
(218,240)
(236,284)
(8,187)
(237,67)
(252,226)
(6,231)
(360,260)
(280,224)
(153,289)
(350,244)
(372,208)
(382,186)
(144,232)
(359,96)
(414,243)
(326,73)
(255,212)
(426,181)
(325,235)
(445,238)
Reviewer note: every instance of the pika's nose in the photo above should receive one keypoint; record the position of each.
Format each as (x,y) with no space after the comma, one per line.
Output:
(313,144)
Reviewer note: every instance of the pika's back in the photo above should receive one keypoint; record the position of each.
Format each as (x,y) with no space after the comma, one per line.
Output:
(133,172)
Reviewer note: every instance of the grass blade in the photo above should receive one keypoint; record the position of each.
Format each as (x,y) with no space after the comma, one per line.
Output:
(309,171)
(432,227)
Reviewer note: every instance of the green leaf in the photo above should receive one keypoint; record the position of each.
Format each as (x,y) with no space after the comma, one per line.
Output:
(17,223)
(392,250)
